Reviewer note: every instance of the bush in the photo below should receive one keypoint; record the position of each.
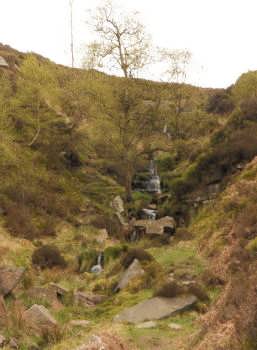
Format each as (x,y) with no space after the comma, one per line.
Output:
(135,253)
(112,253)
(169,290)
(220,103)
(249,108)
(87,260)
(48,257)
(198,291)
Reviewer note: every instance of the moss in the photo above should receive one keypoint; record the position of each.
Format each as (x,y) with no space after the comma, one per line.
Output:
(252,246)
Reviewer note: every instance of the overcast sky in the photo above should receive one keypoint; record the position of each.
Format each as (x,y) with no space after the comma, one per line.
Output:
(221,34)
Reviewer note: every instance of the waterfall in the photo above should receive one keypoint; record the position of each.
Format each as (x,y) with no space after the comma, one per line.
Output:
(149,214)
(154,183)
(98,268)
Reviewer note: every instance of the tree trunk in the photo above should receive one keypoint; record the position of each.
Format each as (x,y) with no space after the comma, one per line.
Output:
(128,183)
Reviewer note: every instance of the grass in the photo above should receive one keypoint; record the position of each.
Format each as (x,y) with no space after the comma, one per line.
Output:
(179,256)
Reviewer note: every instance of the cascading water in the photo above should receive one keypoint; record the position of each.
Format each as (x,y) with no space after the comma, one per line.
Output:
(154,183)
(98,268)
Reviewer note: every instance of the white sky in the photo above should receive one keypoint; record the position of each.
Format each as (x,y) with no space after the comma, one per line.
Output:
(221,34)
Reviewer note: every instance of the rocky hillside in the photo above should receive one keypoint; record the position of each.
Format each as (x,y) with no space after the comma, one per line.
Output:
(98,250)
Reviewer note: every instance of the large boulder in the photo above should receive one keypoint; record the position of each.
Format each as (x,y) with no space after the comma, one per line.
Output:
(39,319)
(133,271)
(164,225)
(9,278)
(155,309)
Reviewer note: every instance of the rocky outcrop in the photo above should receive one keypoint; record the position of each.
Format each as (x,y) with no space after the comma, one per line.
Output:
(133,271)
(39,319)
(166,224)
(155,309)
(9,278)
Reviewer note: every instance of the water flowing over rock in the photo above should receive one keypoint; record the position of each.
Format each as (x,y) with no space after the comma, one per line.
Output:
(98,268)
(9,278)
(149,214)
(155,309)
(133,271)
(154,183)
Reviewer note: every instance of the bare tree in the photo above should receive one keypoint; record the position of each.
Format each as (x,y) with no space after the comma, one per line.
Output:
(121,41)
(71,3)
(177,63)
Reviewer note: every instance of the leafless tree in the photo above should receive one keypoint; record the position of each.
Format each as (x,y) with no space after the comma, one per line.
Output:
(121,41)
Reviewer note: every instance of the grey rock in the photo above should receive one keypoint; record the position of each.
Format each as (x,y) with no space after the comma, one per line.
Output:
(157,226)
(39,319)
(80,323)
(133,271)
(59,290)
(155,309)
(2,341)
(9,278)
(88,299)
(175,326)
(146,325)
(3,62)
(13,343)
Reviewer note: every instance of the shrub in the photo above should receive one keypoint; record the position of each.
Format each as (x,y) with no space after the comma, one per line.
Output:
(48,257)
(112,253)
(220,103)
(87,260)
(169,290)
(249,108)
(198,291)
(135,253)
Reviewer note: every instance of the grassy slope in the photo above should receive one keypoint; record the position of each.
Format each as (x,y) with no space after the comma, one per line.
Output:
(212,228)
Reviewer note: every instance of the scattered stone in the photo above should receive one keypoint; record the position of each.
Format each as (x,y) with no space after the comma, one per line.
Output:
(146,325)
(39,319)
(2,341)
(155,309)
(80,323)
(133,271)
(165,225)
(60,291)
(3,313)
(102,236)
(175,326)
(118,204)
(87,299)
(103,342)
(3,62)
(13,343)
(9,278)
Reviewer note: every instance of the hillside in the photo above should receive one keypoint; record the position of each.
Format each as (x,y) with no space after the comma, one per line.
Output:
(81,267)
